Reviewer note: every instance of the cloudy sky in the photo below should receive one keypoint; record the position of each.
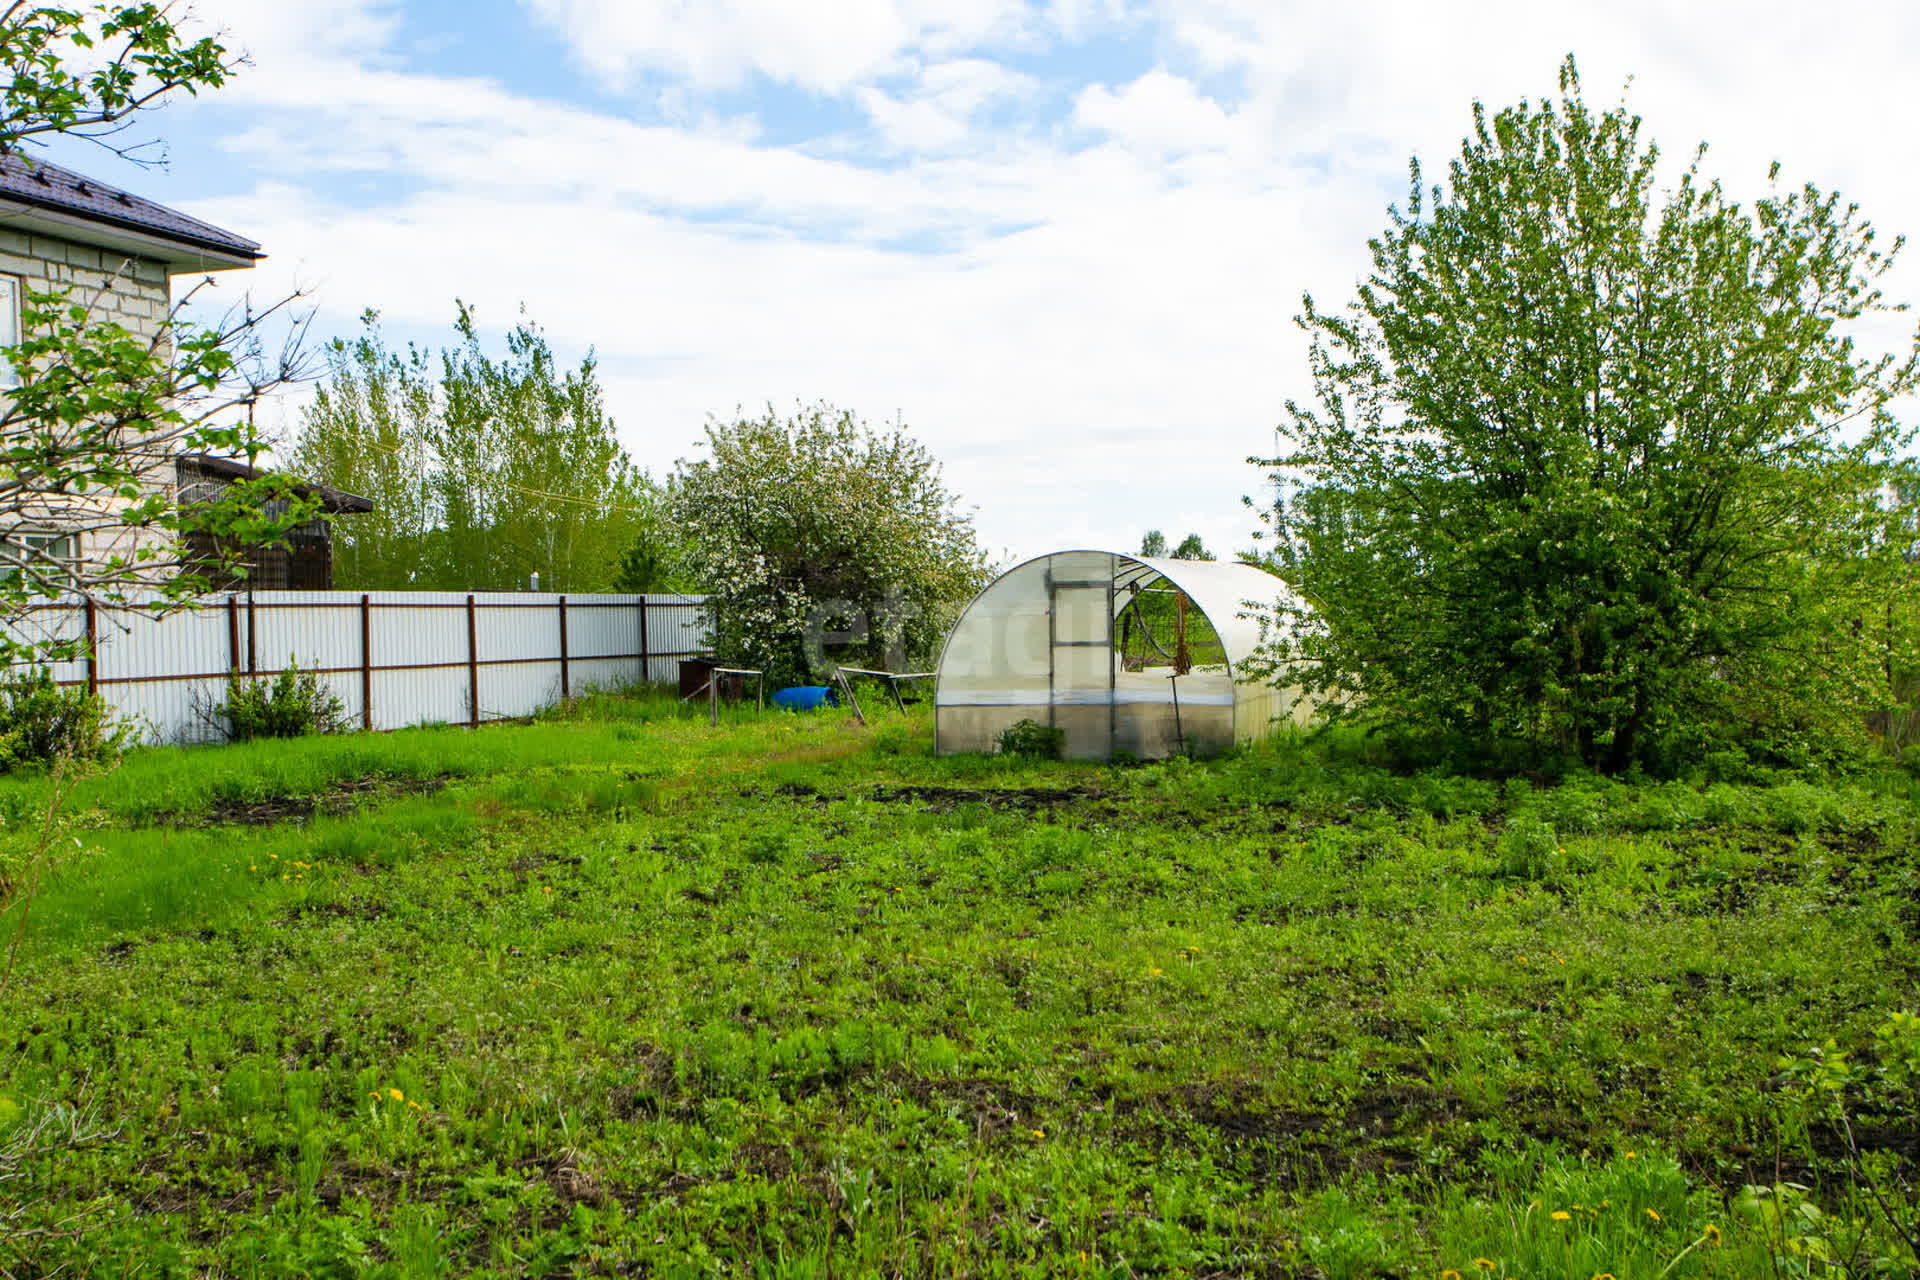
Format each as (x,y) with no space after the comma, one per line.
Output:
(1063,239)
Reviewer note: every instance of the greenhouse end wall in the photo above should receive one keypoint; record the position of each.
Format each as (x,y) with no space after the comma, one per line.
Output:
(1039,645)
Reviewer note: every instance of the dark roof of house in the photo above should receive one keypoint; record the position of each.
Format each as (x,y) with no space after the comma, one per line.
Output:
(45,185)
(335,501)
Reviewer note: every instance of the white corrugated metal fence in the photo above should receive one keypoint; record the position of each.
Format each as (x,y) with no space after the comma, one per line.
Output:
(394,658)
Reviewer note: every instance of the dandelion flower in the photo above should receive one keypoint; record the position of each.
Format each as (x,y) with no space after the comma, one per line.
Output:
(1711,1235)
(1485,1264)
(1449,1274)
(1153,973)
(1633,1155)
(1038,1133)
(416,1106)
(396,1095)
(1653,1215)
(1603,1275)
(1560,1215)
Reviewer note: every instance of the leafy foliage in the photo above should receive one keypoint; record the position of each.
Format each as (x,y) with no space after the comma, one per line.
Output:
(482,471)
(1031,738)
(823,541)
(1154,543)
(290,704)
(40,722)
(1595,478)
(139,56)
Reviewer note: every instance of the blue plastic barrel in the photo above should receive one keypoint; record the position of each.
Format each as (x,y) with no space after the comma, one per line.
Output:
(806,697)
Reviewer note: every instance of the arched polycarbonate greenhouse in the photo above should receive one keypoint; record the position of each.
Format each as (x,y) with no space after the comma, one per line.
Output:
(1122,654)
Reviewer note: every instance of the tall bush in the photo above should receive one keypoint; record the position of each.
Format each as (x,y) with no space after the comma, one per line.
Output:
(40,722)
(822,540)
(1597,474)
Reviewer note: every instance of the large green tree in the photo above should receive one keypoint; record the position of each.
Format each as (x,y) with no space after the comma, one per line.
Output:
(1597,473)
(822,540)
(483,469)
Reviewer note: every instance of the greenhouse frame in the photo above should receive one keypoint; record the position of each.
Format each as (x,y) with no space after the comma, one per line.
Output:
(1123,655)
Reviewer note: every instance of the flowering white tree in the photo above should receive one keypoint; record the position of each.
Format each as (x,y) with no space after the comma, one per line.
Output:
(821,540)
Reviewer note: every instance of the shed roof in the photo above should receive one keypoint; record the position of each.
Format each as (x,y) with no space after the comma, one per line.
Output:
(333,501)
(58,201)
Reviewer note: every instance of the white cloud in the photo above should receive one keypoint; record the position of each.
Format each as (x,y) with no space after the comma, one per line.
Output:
(943,107)
(1159,113)
(824,47)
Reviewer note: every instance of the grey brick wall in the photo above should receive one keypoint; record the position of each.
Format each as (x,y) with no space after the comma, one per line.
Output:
(132,292)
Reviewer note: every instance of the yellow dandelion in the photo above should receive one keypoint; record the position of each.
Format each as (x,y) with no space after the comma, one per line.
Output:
(1633,1155)
(416,1106)
(1603,1275)
(1653,1215)
(1519,959)
(1485,1264)
(1038,1133)
(1560,1215)
(1449,1274)
(1711,1235)
(396,1095)
(1154,973)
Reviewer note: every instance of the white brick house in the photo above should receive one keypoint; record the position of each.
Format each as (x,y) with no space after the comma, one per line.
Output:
(118,253)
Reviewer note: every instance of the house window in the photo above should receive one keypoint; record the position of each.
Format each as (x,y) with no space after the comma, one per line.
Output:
(9,328)
(46,552)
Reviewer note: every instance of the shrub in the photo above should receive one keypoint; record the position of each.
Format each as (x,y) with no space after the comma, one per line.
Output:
(290,705)
(1529,848)
(40,722)
(1031,738)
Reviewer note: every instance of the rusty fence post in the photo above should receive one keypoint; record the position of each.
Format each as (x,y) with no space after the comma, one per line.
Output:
(566,685)
(93,650)
(473,670)
(646,663)
(366,662)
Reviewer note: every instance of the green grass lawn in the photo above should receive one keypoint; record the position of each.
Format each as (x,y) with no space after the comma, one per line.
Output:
(620,994)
